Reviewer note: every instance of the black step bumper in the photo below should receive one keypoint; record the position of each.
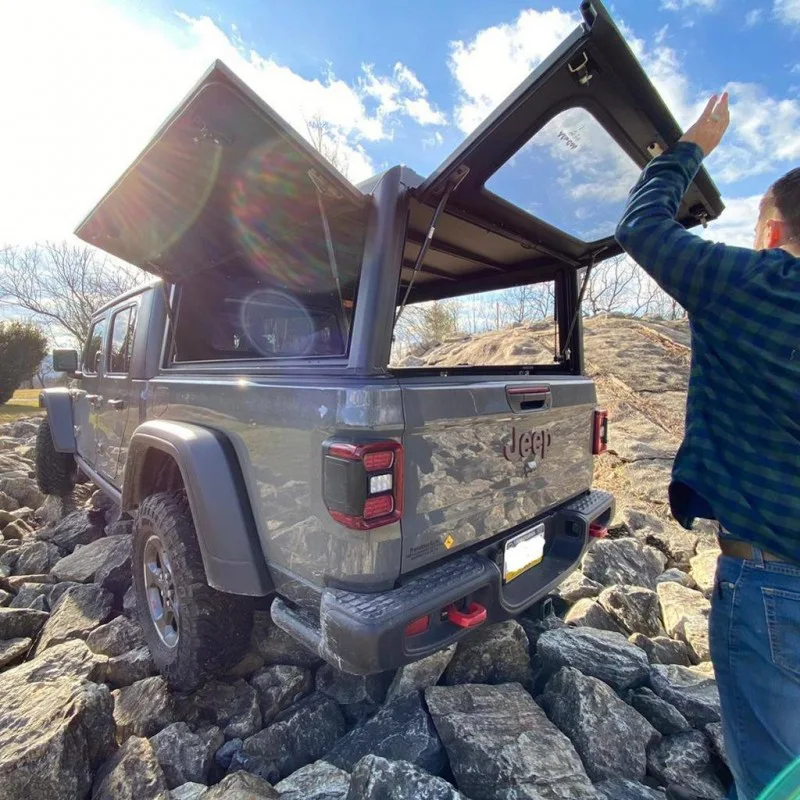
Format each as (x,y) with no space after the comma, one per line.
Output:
(366,633)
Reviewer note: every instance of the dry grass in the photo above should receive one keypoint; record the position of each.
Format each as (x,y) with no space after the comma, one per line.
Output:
(24,403)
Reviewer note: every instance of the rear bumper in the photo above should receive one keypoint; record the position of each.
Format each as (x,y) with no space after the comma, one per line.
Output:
(366,633)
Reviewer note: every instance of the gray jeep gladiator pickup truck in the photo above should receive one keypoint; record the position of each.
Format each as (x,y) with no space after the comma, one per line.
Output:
(244,408)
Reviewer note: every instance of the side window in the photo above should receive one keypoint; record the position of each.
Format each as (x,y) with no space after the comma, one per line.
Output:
(94,347)
(123,325)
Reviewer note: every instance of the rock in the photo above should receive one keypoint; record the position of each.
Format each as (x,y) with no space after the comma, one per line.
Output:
(242,786)
(54,509)
(663,716)
(675,575)
(694,631)
(400,731)
(495,654)
(114,574)
(24,428)
(77,528)
(28,592)
(23,490)
(634,608)
(600,654)
(317,781)
(84,562)
(7,503)
(5,598)
(704,570)
(589,613)
(129,604)
(684,760)
(13,649)
(578,587)
(278,687)
(16,582)
(21,623)
(226,753)
(695,696)
(143,709)
(72,659)
(39,603)
(375,778)
(420,674)
(58,589)
(250,663)
(188,791)
(677,544)
(119,527)
(622,789)
(53,736)
(358,695)
(229,705)
(610,736)
(277,647)
(185,756)
(625,561)
(534,626)
(16,531)
(37,558)
(115,637)
(78,611)
(678,602)
(502,745)
(300,735)
(714,734)
(132,773)
(662,649)
(101,501)
(130,667)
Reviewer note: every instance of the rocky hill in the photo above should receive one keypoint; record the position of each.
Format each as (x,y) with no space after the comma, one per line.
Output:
(612,698)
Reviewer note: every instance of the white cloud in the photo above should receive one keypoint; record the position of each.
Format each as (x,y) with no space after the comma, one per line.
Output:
(93,82)
(752,18)
(788,11)
(737,224)
(434,140)
(682,5)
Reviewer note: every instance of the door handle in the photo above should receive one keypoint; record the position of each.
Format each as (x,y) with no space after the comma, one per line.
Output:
(529,398)
(92,399)
(117,405)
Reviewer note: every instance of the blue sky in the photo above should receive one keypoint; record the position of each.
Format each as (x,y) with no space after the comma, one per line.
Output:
(396,82)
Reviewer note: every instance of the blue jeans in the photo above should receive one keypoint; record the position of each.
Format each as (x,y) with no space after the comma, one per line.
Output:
(754,634)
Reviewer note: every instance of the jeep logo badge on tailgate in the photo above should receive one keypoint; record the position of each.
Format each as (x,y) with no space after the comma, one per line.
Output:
(529,443)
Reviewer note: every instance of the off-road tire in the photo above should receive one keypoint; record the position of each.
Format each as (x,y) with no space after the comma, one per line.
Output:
(56,473)
(213,627)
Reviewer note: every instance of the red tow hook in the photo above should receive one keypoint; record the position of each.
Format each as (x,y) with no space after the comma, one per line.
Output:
(473,616)
(598,531)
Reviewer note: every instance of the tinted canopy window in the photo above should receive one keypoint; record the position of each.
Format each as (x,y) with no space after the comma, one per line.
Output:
(94,346)
(572,174)
(122,328)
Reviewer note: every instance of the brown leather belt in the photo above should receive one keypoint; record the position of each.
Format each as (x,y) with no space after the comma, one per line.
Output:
(735,548)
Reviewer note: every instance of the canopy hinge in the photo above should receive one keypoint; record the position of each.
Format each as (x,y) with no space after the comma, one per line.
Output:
(581,70)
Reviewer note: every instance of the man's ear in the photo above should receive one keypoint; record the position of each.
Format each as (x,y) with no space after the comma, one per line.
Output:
(773,235)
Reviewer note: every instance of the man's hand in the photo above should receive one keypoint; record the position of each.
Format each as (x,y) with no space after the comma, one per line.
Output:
(708,131)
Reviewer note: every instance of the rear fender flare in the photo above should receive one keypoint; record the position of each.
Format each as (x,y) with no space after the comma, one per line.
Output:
(226,531)
(58,404)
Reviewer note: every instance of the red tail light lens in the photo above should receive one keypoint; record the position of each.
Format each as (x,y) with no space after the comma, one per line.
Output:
(363,483)
(598,531)
(418,626)
(600,437)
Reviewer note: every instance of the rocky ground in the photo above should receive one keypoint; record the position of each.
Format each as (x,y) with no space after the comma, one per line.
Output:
(612,698)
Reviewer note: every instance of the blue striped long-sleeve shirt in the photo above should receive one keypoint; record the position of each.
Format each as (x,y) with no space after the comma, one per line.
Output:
(739,462)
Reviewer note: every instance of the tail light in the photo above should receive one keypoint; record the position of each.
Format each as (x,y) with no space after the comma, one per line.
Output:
(600,438)
(598,531)
(363,483)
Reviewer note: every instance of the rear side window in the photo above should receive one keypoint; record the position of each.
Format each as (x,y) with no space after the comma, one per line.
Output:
(94,347)
(123,326)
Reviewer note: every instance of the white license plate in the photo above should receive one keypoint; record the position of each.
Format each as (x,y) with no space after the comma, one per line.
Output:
(522,552)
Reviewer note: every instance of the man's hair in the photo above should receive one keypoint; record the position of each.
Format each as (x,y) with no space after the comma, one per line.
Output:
(785,197)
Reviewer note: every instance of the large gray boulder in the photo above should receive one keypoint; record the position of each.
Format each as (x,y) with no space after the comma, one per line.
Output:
(276,647)
(693,630)
(37,558)
(600,654)
(188,791)
(662,649)
(696,696)
(317,781)
(23,490)
(376,778)
(299,736)
(18,623)
(678,603)
(588,613)
(114,572)
(501,745)
(143,709)
(278,687)
(130,667)
(610,736)
(76,614)
(625,561)
(634,608)
(578,587)
(72,659)
(401,731)
(358,695)
(115,637)
(420,674)
(623,789)
(675,575)
(231,706)
(53,736)
(82,565)
(495,654)
(241,786)
(185,756)
(12,650)
(704,569)
(684,760)
(77,528)
(663,716)
(132,773)
(28,593)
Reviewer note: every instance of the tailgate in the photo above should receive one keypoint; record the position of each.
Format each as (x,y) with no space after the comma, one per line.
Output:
(485,456)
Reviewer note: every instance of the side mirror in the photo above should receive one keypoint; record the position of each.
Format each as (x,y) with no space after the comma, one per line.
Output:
(65,361)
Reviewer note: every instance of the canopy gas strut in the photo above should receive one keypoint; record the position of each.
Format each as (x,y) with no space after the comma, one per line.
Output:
(564,354)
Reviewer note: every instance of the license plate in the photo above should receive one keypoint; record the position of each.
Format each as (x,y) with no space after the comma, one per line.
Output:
(522,552)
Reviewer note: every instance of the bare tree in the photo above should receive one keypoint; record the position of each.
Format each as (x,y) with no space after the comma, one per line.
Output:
(62,284)
(324,139)
(610,287)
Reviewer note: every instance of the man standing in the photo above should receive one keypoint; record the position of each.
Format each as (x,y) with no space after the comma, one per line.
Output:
(739,462)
